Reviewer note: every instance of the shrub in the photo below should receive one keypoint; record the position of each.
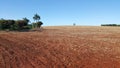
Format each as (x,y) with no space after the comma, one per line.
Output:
(13,24)
(109,25)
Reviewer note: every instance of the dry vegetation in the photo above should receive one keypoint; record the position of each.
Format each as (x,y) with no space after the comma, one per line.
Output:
(61,47)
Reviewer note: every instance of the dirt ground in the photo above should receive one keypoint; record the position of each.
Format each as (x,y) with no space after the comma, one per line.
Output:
(61,47)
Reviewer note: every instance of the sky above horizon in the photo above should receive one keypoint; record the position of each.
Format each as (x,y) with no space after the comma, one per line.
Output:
(63,12)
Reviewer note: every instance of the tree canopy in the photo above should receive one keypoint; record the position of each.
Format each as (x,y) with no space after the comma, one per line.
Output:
(36,17)
(12,24)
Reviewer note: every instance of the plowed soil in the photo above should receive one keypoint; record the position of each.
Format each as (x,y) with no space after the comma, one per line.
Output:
(61,47)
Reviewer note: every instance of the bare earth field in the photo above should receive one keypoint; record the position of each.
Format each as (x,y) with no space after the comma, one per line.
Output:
(61,47)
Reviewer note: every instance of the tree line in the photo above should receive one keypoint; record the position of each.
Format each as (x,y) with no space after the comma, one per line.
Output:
(20,24)
(110,25)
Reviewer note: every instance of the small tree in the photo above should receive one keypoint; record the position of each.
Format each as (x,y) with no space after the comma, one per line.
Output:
(74,24)
(37,23)
(36,17)
(27,20)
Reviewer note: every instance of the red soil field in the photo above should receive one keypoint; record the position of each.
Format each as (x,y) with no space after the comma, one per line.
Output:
(61,47)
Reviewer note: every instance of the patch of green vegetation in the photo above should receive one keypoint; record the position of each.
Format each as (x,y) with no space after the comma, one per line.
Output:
(23,24)
(110,25)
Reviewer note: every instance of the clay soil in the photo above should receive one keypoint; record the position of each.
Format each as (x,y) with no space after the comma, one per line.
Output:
(61,47)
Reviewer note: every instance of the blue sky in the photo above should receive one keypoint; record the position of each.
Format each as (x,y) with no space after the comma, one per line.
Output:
(63,12)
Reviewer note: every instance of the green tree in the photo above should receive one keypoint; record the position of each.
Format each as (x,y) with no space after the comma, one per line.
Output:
(19,24)
(1,24)
(39,24)
(27,20)
(10,23)
(36,17)
(6,24)
(14,24)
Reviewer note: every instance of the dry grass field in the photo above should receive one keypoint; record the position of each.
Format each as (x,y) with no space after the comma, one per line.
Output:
(61,47)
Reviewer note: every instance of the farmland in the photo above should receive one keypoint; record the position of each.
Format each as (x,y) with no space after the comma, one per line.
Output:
(61,47)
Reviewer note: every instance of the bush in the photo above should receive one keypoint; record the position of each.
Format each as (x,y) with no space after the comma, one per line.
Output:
(26,27)
(109,25)
(13,24)
(39,24)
